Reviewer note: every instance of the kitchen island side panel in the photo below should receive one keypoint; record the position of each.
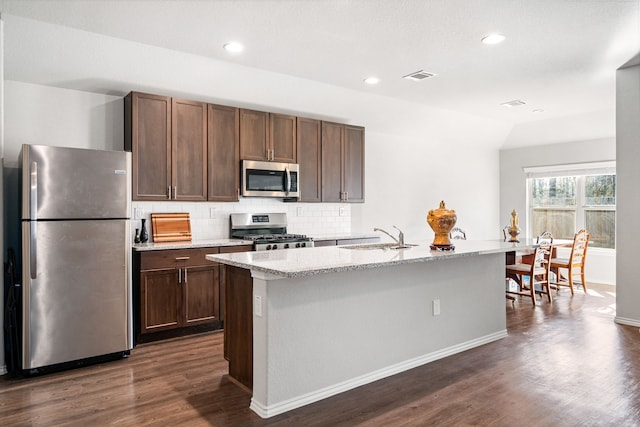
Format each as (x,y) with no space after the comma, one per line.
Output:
(323,334)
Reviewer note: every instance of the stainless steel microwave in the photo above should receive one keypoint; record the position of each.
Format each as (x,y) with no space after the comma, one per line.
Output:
(270,179)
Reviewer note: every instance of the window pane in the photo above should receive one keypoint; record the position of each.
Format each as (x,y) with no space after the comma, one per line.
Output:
(561,223)
(600,190)
(559,191)
(602,226)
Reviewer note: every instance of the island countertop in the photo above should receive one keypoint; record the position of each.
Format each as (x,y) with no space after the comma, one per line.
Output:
(333,259)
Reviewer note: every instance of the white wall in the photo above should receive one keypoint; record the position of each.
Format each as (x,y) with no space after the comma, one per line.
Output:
(628,207)
(601,264)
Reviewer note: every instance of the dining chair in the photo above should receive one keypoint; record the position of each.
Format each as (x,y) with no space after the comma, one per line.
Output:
(535,267)
(457,233)
(574,264)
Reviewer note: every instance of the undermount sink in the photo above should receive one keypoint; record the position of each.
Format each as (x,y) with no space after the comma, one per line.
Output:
(371,246)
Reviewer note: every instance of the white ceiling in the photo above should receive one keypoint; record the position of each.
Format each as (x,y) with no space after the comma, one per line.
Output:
(559,55)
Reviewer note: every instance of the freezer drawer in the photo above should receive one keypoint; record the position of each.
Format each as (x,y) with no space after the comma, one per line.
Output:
(76,290)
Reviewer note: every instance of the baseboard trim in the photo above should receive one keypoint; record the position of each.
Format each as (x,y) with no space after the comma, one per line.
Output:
(626,321)
(266,411)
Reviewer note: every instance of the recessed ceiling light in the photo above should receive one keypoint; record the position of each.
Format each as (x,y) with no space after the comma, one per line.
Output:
(493,39)
(372,80)
(233,47)
(514,103)
(538,110)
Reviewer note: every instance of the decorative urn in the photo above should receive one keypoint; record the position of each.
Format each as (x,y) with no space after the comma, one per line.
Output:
(513,229)
(441,221)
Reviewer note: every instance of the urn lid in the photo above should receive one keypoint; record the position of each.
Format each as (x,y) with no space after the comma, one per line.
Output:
(442,210)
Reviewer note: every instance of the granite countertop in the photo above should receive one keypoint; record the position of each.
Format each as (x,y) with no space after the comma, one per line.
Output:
(189,244)
(333,259)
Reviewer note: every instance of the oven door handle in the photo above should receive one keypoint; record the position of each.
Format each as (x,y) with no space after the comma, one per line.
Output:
(287,185)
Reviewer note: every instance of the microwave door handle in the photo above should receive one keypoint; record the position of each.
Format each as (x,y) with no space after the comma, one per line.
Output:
(288,180)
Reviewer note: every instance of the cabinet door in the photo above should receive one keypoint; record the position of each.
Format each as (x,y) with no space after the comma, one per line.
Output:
(254,135)
(223,153)
(160,300)
(282,138)
(200,294)
(189,150)
(148,136)
(309,159)
(353,174)
(332,134)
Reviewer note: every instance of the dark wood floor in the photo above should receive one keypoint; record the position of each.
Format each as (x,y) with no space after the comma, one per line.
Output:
(564,364)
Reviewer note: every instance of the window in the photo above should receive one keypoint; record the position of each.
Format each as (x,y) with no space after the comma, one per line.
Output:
(568,200)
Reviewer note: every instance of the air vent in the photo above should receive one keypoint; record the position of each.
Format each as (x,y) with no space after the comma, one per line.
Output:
(418,76)
(514,103)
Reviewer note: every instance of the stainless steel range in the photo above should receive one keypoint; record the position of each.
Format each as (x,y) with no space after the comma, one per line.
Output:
(268,231)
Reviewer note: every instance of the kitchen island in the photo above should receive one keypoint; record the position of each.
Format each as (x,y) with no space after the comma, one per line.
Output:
(312,323)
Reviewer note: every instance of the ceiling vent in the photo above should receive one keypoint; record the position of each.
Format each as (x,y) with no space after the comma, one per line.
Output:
(514,103)
(418,76)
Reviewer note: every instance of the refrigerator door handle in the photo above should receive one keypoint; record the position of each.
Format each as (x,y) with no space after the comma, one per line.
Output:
(33,213)
(33,192)
(33,250)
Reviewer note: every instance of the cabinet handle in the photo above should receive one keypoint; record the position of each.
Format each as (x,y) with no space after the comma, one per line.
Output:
(175,192)
(179,275)
(346,195)
(182,258)
(169,192)
(273,154)
(185,275)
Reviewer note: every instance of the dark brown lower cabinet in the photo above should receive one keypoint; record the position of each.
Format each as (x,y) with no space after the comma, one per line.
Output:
(177,292)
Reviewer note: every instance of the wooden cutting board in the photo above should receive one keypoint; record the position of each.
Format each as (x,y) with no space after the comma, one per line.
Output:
(170,227)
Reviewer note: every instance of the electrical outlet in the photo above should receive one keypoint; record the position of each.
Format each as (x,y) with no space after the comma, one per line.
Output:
(436,307)
(299,211)
(342,211)
(212,212)
(138,213)
(257,305)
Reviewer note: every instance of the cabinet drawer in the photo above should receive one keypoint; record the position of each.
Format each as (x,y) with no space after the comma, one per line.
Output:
(175,258)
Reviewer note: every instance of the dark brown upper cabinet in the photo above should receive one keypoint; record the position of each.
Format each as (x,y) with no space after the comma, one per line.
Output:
(223,153)
(168,141)
(147,121)
(309,158)
(342,163)
(188,150)
(267,136)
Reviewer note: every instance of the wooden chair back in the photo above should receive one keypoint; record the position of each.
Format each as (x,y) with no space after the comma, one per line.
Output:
(579,248)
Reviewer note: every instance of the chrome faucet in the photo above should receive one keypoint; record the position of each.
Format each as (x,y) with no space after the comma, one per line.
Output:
(399,240)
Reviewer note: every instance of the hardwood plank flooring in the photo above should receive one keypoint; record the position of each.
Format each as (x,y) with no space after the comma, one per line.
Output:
(563,364)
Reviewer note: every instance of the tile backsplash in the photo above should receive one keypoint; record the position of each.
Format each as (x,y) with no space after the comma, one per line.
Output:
(210,220)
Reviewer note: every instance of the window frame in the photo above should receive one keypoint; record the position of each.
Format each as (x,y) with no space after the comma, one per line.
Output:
(580,171)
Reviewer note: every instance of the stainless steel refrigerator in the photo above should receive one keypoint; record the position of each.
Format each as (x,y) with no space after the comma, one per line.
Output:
(76,251)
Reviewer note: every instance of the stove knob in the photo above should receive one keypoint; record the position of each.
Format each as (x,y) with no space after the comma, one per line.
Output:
(303,244)
(297,245)
(286,246)
(268,247)
(275,246)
